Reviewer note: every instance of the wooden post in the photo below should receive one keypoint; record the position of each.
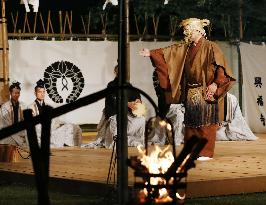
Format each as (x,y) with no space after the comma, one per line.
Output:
(4,73)
(123,77)
(39,160)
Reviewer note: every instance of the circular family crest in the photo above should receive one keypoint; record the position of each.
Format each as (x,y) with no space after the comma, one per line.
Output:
(64,71)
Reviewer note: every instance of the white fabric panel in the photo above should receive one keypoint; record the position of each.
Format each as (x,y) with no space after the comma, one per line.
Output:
(29,59)
(253,65)
(96,59)
(231,55)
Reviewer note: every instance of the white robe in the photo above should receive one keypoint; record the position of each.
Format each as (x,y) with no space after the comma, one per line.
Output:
(107,131)
(62,134)
(7,119)
(176,116)
(235,126)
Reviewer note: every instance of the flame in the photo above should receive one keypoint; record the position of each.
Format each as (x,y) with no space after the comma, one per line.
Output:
(158,162)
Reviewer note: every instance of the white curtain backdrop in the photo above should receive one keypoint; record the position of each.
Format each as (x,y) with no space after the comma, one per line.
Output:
(96,59)
(253,59)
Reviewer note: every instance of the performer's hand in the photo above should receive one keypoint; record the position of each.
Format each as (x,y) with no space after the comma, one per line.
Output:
(211,89)
(145,52)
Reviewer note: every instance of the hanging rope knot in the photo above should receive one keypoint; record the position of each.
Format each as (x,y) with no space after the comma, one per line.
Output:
(64,83)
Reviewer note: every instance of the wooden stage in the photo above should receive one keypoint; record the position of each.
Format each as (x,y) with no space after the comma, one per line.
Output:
(238,167)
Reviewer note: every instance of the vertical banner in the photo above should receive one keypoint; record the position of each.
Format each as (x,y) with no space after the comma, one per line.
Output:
(253,59)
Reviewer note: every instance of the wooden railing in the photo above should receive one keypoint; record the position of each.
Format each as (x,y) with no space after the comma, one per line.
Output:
(68,24)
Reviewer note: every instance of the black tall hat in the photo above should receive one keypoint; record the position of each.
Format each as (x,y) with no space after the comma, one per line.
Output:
(15,84)
(40,84)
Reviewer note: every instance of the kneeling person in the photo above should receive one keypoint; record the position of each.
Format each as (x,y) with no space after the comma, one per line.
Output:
(11,112)
(62,134)
(107,127)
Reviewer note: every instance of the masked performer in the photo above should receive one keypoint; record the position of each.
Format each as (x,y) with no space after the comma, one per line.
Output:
(195,73)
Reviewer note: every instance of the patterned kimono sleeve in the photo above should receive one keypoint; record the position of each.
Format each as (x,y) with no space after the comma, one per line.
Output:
(223,74)
(223,82)
(5,115)
(158,61)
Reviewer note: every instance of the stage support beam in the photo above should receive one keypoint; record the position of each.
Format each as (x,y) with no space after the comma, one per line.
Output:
(124,70)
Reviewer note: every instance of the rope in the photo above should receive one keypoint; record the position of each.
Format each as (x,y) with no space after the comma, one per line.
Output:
(112,163)
(113,192)
(19,147)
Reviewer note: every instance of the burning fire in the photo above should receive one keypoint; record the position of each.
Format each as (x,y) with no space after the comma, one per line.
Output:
(158,162)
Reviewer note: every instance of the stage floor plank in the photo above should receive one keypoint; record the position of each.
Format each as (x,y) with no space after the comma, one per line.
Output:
(237,167)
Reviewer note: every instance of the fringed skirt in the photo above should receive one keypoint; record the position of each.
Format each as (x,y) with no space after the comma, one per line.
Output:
(198,112)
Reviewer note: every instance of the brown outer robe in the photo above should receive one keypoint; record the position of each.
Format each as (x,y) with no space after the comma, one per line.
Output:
(169,63)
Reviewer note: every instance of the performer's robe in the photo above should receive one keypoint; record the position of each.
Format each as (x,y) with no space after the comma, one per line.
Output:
(62,134)
(7,118)
(184,73)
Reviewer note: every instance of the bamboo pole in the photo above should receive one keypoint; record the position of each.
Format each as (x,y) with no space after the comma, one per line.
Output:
(49,24)
(64,25)
(173,25)
(35,22)
(14,21)
(4,80)
(241,19)
(155,20)
(104,23)
(67,22)
(71,20)
(60,24)
(136,23)
(145,25)
(83,24)
(42,22)
(89,23)
(26,23)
